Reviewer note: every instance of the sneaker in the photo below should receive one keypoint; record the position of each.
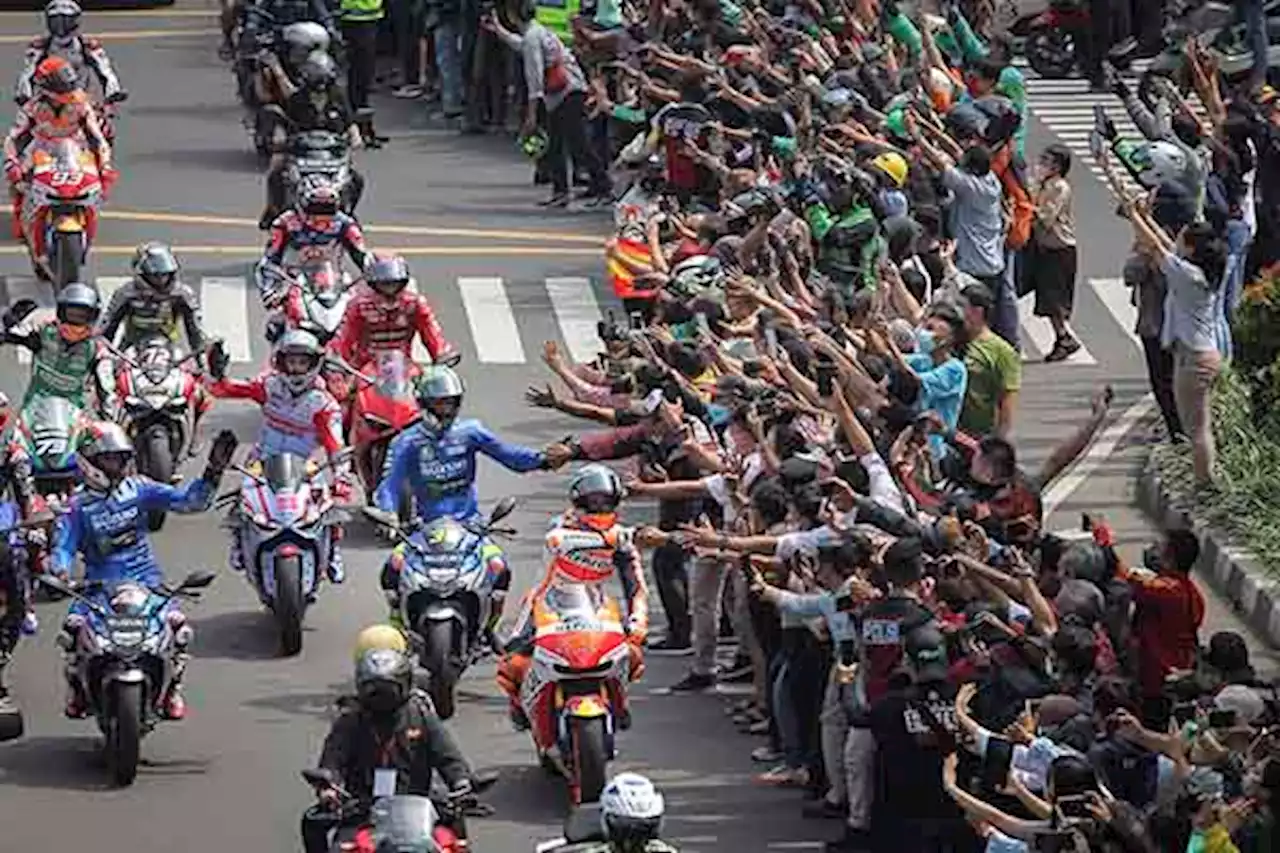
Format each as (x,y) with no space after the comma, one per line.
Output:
(175,707)
(784,777)
(1063,349)
(766,755)
(760,727)
(823,809)
(853,841)
(693,683)
(736,674)
(30,623)
(559,200)
(739,706)
(337,573)
(408,92)
(667,647)
(75,708)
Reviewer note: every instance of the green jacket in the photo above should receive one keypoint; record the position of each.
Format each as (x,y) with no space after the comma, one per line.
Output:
(362,10)
(59,369)
(849,245)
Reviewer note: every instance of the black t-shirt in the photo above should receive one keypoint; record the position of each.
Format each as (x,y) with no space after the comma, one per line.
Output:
(911,735)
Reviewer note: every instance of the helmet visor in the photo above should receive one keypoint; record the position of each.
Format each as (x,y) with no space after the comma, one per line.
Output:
(297,363)
(61,25)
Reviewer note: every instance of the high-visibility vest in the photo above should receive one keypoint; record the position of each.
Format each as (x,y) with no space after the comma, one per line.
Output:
(362,10)
(557,16)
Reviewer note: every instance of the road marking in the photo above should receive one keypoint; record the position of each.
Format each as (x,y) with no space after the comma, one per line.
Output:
(493,324)
(125,35)
(1103,447)
(225,303)
(99,14)
(1040,331)
(413,251)
(412,230)
(1117,297)
(578,313)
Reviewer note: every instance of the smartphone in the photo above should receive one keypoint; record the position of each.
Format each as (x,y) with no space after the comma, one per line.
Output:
(1184,713)
(1222,719)
(771,341)
(826,378)
(1075,806)
(844,603)
(637,321)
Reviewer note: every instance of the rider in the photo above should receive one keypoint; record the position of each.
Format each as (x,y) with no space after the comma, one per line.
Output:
(390,728)
(62,18)
(316,224)
(298,414)
(317,103)
(584,546)
(60,111)
(387,315)
(65,354)
(106,523)
(153,302)
(17,484)
(436,458)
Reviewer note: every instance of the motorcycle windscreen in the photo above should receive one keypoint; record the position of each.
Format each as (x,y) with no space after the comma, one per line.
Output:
(393,376)
(51,421)
(285,472)
(404,824)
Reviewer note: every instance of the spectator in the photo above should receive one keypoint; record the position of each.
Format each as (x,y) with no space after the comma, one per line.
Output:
(994,370)
(1050,271)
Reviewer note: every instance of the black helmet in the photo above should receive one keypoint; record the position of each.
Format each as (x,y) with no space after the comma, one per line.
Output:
(596,492)
(384,678)
(155,265)
(440,392)
(388,275)
(82,299)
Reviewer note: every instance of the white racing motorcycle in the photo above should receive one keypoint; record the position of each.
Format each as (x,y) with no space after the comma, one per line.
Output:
(284,512)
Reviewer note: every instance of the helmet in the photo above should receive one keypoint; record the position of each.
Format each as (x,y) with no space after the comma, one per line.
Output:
(317,196)
(383,637)
(631,811)
(155,265)
(303,39)
(596,492)
(535,144)
(318,72)
(78,310)
(384,678)
(62,17)
(56,77)
(440,393)
(1159,162)
(388,275)
(893,166)
(296,342)
(105,457)
(966,122)
(695,274)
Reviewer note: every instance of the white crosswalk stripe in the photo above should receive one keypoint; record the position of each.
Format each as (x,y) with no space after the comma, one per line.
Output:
(1038,332)
(231,311)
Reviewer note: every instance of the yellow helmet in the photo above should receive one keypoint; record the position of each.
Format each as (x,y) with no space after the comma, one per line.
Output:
(380,637)
(893,165)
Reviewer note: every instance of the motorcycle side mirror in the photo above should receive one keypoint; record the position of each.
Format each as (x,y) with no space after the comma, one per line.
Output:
(320,778)
(197,580)
(502,510)
(450,360)
(117,97)
(18,312)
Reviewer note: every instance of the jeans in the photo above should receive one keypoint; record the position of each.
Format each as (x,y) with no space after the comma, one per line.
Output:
(785,716)
(1238,241)
(834,731)
(1160,375)
(673,591)
(859,775)
(567,128)
(447,36)
(406,24)
(1004,314)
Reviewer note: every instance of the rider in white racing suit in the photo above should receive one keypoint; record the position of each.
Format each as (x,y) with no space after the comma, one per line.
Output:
(298,414)
(62,18)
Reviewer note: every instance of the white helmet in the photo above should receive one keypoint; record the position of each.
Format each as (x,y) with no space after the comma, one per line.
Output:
(696,275)
(1160,162)
(302,38)
(298,342)
(631,809)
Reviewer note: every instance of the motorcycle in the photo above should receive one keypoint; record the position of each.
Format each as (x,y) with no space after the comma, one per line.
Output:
(285,517)
(314,152)
(64,189)
(572,692)
(312,296)
(443,593)
(125,659)
(23,541)
(396,822)
(1050,38)
(158,398)
(383,407)
(50,430)
(1215,28)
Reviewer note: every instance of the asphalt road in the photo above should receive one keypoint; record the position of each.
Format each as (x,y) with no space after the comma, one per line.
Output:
(504,276)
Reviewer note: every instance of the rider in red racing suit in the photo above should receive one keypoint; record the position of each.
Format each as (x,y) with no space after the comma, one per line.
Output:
(317,229)
(387,316)
(61,110)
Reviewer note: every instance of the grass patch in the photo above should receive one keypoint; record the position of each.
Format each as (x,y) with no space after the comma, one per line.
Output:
(1246,503)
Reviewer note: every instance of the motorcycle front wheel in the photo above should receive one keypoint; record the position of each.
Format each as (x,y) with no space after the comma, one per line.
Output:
(65,254)
(124,733)
(590,758)
(436,654)
(155,460)
(288,605)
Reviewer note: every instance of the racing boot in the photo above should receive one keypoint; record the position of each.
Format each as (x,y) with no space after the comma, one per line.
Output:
(235,552)
(77,707)
(488,635)
(511,672)
(174,706)
(337,568)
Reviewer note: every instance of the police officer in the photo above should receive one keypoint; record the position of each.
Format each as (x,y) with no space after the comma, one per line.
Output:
(360,32)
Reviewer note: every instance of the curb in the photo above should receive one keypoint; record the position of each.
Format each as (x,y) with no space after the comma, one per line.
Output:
(1233,571)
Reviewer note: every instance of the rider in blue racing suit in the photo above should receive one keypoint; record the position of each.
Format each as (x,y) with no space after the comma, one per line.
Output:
(107,524)
(437,458)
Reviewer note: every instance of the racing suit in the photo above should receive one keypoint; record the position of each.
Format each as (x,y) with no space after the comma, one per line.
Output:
(440,470)
(291,423)
(63,369)
(22,550)
(577,555)
(42,125)
(373,325)
(141,312)
(414,743)
(81,52)
(311,236)
(110,531)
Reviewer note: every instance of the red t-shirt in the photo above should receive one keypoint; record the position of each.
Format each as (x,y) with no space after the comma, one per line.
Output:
(1168,613)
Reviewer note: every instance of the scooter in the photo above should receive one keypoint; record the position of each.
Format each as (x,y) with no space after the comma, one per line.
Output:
(124,659)
(158,397)
(285,516)
(444,586)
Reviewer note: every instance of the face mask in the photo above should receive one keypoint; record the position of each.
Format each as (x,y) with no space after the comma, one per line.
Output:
(925,342)
(73,334)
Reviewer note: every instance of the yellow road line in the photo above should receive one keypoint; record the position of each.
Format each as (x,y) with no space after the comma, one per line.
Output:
(408,230)
(426,251)
(95,14)
(124,35)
